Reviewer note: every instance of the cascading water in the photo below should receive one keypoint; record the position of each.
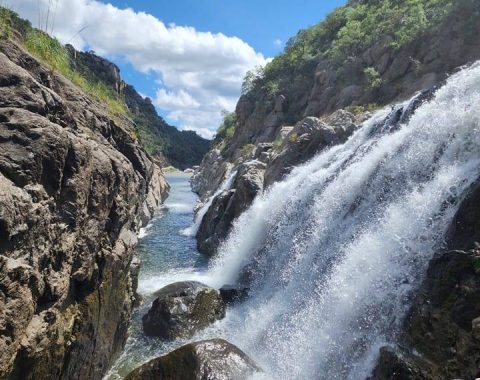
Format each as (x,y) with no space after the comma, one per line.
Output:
(335,251)
(226,185)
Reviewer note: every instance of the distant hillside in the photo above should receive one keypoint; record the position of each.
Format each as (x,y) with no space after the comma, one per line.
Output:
(181,149)
(101,78)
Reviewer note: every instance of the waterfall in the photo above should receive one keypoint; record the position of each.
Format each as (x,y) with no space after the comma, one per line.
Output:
(335,251)
(226,185)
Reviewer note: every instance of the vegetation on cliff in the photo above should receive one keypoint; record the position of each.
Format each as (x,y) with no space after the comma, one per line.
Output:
(343,37)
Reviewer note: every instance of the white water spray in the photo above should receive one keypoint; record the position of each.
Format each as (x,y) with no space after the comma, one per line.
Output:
(336,249)
(226,185)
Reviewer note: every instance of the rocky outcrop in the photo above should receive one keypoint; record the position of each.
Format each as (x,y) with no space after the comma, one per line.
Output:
(181,309)
(306,139)
(214,359)
(442,325)
(210,174)
(228,205)
(75,187)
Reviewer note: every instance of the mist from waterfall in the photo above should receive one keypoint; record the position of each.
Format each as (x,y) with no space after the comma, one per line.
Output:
(336,249)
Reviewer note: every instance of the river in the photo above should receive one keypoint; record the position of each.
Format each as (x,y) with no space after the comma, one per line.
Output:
(167,256)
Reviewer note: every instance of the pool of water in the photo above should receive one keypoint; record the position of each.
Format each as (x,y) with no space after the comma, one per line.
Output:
(167,256)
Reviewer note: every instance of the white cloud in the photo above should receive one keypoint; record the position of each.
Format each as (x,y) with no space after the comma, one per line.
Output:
(278,42)
(175,100)
(200,73)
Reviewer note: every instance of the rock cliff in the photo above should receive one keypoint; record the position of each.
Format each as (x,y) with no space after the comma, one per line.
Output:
(75,187)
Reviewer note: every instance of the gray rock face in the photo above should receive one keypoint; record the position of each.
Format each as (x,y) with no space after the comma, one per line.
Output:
(309,137)
(74,190)
(214,359)
(228,205)
(210,174)
(442,325)
(181,309)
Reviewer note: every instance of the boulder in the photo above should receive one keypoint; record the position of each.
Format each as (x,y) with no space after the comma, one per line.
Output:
(181,309)
(214,359)
(306,139)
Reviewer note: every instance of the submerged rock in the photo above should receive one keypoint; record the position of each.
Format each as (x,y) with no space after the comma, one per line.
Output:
(214,359)
(232,293)
(181,309)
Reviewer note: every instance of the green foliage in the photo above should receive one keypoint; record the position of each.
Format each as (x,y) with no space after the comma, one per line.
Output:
(6,17)
(373,77)
(247,150)
(49,50)
(227,128)
(292,137)
(252,77)
(364,24)
(278,145)
(359,109)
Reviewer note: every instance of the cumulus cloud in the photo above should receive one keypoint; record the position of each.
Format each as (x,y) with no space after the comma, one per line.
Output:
(199,73)
(278,42)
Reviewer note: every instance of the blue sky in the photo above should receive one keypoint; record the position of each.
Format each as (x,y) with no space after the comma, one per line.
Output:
(189,56)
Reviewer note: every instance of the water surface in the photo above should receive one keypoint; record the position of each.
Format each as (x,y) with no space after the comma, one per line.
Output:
(167,256)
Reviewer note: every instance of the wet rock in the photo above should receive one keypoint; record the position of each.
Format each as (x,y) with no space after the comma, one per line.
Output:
(181,309)
(306,139)
(395,364)
(229,205)
(231,293)
(439,325)
(214,359)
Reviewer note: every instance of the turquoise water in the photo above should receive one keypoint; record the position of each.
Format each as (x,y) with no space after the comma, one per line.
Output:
(167,256)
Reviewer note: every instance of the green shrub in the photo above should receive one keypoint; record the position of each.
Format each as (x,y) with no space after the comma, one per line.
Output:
(359,109)
(292,137)
(227,128)
(373,77)
(6,17)
(247,150)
